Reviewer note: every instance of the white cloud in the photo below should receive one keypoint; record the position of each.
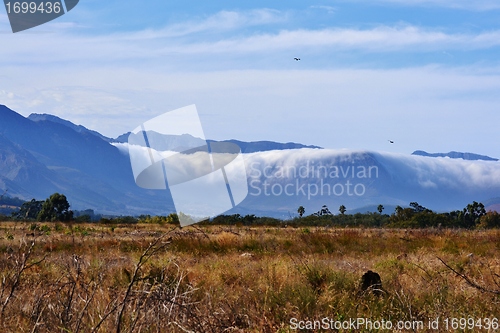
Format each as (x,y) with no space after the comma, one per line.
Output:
(380,177)
(404,170)
(328,9)
(429,108)
(451,173)
(112,83)
(156,45)
(426,171)
(54,43)
(379,39)
(220,22)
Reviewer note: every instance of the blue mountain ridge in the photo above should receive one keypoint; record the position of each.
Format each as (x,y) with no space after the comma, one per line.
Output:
(187,141)
(456,154)
(43,154)
(53,157)
(36,117)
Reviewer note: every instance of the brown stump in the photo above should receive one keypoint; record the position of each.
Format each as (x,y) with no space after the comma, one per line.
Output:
(370,281)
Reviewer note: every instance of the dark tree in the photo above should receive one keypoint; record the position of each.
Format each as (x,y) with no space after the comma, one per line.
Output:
(342,209)
(55,208)
(418,208)
(30,210)
(323,212)
(380,208)
(301,211)
(472,213)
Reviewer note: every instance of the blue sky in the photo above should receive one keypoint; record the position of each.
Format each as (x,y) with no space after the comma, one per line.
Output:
(424,73)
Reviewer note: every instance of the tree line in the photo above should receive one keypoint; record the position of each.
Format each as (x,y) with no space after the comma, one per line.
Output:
(474,215)
(54,208)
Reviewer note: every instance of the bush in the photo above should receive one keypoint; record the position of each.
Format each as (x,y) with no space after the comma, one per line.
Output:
(489,220)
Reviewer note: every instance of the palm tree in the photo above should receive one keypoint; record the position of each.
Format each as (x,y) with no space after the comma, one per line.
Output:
(301,211)
(342,209)
(380,208)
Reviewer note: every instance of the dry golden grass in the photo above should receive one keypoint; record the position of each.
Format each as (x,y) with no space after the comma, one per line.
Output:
(150,278)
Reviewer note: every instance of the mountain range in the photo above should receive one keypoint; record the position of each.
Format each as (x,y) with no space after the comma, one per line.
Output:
(456,154)
(43,154)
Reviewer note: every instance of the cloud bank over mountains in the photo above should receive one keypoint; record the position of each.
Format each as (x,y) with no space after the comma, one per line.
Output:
(41,155)
(281,180)
(356,178)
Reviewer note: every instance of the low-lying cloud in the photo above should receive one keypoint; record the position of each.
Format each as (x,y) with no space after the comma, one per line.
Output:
(403,170)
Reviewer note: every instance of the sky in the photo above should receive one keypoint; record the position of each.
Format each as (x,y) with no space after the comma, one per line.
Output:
(422,73)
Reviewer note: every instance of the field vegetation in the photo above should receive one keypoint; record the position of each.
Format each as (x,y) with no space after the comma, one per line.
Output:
(156,277)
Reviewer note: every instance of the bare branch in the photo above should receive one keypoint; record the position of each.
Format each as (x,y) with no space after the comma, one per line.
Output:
(469,280)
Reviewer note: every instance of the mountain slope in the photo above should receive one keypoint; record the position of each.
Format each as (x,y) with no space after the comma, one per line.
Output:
(90,171)
(174,142)
(78,128)
(22,173)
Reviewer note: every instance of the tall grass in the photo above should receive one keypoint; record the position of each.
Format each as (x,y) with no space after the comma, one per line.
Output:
(92,278)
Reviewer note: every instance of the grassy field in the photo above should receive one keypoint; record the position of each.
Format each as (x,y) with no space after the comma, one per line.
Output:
(152,278)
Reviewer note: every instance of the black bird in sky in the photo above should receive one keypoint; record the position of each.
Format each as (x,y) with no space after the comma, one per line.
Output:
(390,141)
(296,59)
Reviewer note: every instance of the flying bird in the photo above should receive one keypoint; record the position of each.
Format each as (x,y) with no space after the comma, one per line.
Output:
(390,141)
(296,59)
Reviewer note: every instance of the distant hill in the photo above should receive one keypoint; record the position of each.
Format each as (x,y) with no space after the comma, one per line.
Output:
(173,142)
(492,204)
(495,208)
(122,138)
(168,142)
(456,154)
(186,141)
(256,146)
